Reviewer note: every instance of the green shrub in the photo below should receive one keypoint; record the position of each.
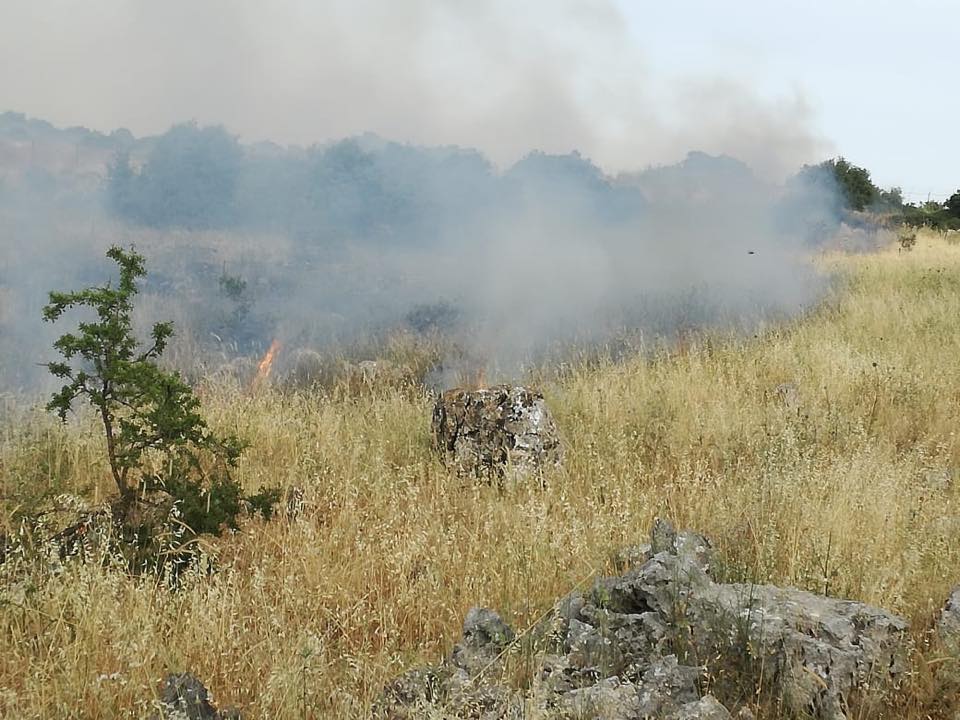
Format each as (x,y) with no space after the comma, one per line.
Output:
(150,417)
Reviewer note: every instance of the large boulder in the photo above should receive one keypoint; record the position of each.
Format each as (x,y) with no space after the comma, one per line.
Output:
(816,651)
(487,430)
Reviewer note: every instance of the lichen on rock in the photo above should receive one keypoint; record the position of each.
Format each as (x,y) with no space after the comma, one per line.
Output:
(483,432)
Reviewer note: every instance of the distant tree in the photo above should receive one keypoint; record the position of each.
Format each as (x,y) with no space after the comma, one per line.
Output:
(189,180)
(952,205)
(344,192)
(932,214)
(121,187)
(855,183)
(889,200)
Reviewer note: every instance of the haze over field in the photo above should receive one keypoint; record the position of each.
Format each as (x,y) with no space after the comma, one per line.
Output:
(527,168)
(348,241)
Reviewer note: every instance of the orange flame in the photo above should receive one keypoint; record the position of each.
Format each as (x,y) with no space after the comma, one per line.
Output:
(266,365)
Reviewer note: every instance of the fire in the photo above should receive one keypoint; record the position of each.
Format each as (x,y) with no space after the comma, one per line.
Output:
(474,378)
(266,365)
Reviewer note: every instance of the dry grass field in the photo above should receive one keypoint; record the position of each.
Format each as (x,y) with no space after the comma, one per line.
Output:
(845,483)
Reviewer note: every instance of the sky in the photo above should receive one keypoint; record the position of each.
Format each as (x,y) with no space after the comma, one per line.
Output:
(876,73)
(630,84)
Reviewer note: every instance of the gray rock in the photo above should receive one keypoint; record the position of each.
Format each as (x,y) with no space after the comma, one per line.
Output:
(460,684)
(594,650)
(662,585)
(663,536)
(484,627)
(406,696)
(818,650)
(184,697)
(610,699)
(305,368)
(938,480)
(468,698)
(667,685)
(706,708)
(948,624)
(631,556)
(484,431)
(693,548)
(485,636)
(610,652)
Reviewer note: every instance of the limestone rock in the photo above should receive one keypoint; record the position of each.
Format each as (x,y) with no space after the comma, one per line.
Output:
(615,651)
(631,556)
(460,683)
(818,649)
(706,708)
(948,625)
(485,636)
(693,548)
(406,696)
(610,699)
(484,431)
(666,685)
(184,697)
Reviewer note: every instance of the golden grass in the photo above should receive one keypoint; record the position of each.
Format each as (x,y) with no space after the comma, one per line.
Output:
(849,490)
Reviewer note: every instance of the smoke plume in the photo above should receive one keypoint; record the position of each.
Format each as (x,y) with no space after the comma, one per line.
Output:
(495,75)
(580,216)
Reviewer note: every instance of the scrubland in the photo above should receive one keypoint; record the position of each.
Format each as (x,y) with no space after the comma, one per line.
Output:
(821,454)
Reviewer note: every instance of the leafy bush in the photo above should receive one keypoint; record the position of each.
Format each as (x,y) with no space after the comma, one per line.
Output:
(150,417)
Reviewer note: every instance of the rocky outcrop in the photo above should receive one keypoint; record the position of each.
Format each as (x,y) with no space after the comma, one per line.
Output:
(650,642)
(184,697)
(485,431)
(464,685)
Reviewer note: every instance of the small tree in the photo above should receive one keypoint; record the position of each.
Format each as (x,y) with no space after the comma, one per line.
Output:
(143,408)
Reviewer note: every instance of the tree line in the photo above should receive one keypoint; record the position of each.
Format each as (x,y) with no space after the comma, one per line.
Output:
(203,178)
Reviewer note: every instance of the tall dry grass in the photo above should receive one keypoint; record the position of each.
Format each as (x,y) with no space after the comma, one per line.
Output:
(843,483)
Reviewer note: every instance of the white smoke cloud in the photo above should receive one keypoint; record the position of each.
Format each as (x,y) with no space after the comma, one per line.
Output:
(501,76)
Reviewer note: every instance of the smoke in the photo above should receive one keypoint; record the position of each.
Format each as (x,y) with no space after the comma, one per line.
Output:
(495,75)
(326,248)
(512,253)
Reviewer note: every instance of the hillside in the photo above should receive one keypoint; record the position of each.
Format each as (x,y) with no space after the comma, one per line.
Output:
(820,454)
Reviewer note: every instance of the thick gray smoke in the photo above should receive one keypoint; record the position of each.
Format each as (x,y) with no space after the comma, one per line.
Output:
(345,243)
(512,253)
(501,76)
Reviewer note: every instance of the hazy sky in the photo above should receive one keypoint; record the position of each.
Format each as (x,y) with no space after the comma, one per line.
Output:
(776,83)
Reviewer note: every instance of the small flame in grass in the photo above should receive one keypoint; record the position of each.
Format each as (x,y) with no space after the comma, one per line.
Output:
(473,378)
(266,365)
